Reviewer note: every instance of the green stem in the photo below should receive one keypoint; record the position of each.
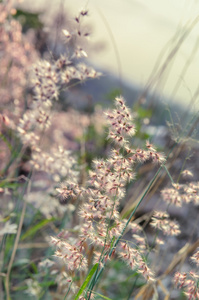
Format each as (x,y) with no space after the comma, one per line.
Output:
(168,173)
(129,219)
(133,212)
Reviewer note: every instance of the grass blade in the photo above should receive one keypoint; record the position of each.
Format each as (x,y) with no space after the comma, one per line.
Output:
(92,271)
(35,228)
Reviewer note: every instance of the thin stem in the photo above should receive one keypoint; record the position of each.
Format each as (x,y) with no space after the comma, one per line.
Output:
(129,219)
(131,291)
(183,165)
(133,212)
(117,55)
(168,173)
(16,244)
(92,284)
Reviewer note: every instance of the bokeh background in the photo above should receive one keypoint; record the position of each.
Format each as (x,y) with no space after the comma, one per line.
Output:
(132,36)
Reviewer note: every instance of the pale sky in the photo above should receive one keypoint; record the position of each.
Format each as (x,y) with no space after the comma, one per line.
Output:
(141,29)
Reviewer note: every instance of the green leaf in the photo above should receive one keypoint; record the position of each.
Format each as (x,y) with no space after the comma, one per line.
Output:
(34,267)
(11,185)
(92,271)
(143,112)
(35,228)
(28,19)
(112,242)
(6,141)
(103,297)
(47,283)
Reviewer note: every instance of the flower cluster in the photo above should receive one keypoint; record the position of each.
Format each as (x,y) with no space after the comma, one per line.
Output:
(120,121)
(195,258)
(182,193)
(8,228)
(99,215)
(40,201)
(59,163)
(189,282)
(48,80)
(161,221)
(71,254)
(134,259)
(17,54)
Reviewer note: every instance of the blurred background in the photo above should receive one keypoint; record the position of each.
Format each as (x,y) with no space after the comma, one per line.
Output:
(133,40)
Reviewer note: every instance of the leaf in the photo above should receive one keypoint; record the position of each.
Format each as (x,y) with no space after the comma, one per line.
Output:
(112,242)
(6,141)
(47,283)
(35,228)
(28,19)
(92,271)
(11,185)
(103,297)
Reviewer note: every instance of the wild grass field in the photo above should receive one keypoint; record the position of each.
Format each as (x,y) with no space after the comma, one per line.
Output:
(99,194)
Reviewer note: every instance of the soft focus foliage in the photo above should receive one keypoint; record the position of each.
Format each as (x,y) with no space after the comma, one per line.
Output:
(75,183)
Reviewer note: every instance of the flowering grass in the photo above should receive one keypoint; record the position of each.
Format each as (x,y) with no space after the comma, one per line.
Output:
(63,234)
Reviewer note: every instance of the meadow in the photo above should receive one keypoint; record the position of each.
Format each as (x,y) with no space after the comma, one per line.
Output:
(99,198)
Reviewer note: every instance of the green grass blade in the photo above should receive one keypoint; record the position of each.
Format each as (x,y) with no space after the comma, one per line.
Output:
(92,271)
(3,138)
(35,228)
(103,297)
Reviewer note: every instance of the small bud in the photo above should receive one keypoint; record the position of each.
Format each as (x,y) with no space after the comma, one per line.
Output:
(66,33)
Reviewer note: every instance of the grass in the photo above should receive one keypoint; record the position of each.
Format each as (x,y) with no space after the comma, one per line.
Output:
(74,226)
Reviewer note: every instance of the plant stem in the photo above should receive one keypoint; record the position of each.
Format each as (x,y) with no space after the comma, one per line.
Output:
(133,212)
(128,221)
(16,244)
